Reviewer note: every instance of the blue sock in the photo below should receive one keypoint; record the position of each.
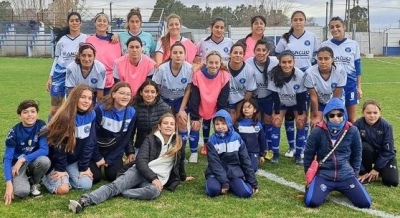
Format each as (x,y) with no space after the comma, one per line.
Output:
(289,126)
(206,130)
(275,138)
(194,140)
(184,136)
(300,135)
(267,131)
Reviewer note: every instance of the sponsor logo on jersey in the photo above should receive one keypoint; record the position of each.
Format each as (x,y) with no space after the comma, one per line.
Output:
(342,59)
(307,43)
(301,53)
(93,80)
(87,129)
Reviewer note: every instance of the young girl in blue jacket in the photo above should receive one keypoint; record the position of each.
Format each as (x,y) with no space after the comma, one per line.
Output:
(251,131)
(229,166)
(340,170)
(71,135)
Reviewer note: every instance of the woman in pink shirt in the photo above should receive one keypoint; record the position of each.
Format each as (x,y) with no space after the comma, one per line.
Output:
(258,24)
(106,51)
(133,67)
(174,25)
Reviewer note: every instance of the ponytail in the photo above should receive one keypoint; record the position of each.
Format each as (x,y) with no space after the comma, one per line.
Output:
(60,32)
(287,35)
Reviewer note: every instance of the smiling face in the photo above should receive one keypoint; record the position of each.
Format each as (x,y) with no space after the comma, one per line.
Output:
(371,114)
(28,116)
(258,27)
(134,24)
(213,63)
(237,54)
(85,101)
(336,29)
(261,53)
(335,116)
(287,64)
(220,125)
(167,126)
(149,94)
(178,54)
(174,26)
(101,24)
(122,97)
(74,23)
(87,58)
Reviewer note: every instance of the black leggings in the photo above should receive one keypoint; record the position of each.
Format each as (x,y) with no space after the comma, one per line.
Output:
(110,172)
(389,174)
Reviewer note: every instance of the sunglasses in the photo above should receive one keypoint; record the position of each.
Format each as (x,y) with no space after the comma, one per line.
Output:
(339,115)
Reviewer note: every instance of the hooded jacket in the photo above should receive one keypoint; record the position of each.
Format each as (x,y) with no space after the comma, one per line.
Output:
(345,161)
(227,156)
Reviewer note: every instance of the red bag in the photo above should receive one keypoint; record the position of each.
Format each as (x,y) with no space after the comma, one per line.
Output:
(312,171)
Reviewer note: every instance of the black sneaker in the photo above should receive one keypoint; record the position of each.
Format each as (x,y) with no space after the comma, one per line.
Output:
(365,182)
(76,206)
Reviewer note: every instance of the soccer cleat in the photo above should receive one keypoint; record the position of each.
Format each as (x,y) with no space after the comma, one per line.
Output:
(203,150)
(193,158)
(269,155)
(290,153)
(35,190)
(299,160)
(76,206)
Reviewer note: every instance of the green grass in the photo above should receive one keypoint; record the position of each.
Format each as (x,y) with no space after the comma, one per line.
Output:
(22,78)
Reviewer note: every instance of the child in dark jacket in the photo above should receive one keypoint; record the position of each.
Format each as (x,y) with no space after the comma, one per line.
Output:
(252,132)
(229,166)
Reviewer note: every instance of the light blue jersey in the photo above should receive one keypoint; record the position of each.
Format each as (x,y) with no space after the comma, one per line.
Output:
(148,43)
(259,74)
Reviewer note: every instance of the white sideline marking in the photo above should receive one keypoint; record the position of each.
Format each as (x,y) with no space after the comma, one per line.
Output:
(387,62)
(282,181)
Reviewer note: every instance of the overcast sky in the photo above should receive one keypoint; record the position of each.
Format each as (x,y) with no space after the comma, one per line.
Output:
(384,13)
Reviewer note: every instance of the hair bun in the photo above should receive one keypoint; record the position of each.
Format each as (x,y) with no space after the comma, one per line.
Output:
(135,10)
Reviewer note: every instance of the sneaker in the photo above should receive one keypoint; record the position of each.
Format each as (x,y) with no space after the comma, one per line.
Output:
(76,206)
(203,150)
(299,160)
(193,158)
(35,190)
(269,155)
(274,159)
(290,153)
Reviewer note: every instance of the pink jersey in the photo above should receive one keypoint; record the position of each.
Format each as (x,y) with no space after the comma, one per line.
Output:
(190,47)
(250,44)
(209,91)
(125,71)
(106,53)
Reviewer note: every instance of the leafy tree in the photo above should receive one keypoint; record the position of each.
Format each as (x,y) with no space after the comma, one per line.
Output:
(6,12)
(359,16)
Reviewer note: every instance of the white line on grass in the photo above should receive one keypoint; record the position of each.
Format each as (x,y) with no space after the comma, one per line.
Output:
(387,62)
(342,202)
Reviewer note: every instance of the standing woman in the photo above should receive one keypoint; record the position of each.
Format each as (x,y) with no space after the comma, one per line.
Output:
(288,92)
(323,82)
(263,64)
(216,41)
(378,153)
(258,24)
(242,83)
(149,108)
(67,42)
(174,78)
(134,67)
(210,92)
(347,56)
(87,70)
(135,22)
(115,120)
(71,135)
(106,50)
(174,24)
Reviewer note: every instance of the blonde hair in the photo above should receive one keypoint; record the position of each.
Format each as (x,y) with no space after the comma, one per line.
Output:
(213,52)
(177,144)
(165,40)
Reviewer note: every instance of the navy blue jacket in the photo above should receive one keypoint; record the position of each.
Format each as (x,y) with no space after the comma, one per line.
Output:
(108,125)
(380,137)
(227,156)
(345,161)
(85,134)
(253,135)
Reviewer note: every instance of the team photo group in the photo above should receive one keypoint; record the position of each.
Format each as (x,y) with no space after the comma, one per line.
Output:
(124,106)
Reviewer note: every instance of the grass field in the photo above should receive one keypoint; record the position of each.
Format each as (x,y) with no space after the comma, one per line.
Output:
(22,78)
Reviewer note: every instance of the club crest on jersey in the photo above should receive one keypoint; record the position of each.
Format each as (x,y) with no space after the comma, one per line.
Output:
(242,80)
(30,142)
(257,128)
(307,43)
(183,80)
(347,49)
(296,87)
(87,129)
(93,80)
(226,49)
(333,85)
(362,133)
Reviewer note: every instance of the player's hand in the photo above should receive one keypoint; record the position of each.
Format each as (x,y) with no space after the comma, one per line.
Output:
(100,163)
(129,158)
(9,195)
(48,84)
(158,184)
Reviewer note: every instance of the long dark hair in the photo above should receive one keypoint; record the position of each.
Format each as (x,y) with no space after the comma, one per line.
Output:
(133,12)
(265,71)
(287,35)
(62,31)
(241,115)
(330,51)
(212,25)
(139,98)
(253,19)
(276,73)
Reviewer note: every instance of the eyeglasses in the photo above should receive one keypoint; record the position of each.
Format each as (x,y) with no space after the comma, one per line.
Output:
(339,115)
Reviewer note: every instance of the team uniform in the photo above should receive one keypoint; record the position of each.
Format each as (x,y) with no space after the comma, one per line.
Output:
(303,48)
(291,96)
(324,88)
(347,55)
(190,48)
(148,43)
(108,125)
(206,45)
(96,78)
(65,52)
(106,53)
(134,75)
(25,142)
(242,81)
(76,161)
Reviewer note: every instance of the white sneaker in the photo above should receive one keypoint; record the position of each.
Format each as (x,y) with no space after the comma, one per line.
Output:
(290,153)
(193,158)
(35,190)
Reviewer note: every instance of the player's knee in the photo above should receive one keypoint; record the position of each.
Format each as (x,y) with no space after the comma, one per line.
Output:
(22,192)
(277,122)
(62,189)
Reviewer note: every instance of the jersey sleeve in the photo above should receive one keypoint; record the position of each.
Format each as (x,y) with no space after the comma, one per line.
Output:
(70,77)
(251,84)
(159,47)
(9,155)
(280,47)
(157,75)
(101,77)
(342,80)
(308,81)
